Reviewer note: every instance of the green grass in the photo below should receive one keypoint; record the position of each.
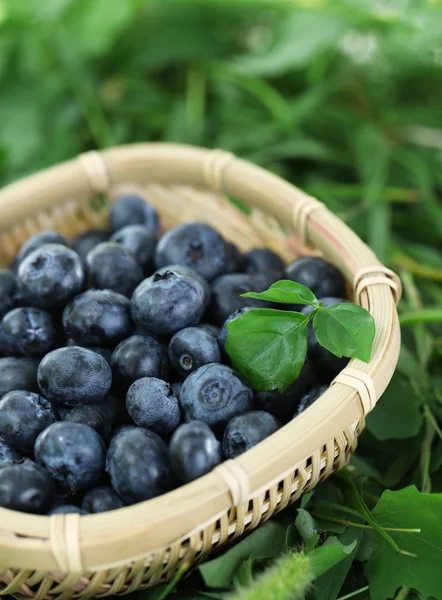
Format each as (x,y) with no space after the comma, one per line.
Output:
(341,97)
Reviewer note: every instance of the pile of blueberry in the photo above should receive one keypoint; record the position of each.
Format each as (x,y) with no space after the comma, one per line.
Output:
(114,383)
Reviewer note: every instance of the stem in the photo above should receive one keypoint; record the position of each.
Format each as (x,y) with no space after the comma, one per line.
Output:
(171,585)
(402,594)
(355,593)
(339,507)
(424,315)
(361,525)
(433,420)
(425,456)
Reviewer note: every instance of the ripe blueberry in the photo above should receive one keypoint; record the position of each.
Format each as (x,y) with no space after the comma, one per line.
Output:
(151,403)
(8,290)
(215,394)
(195,245)
(192,348)
(101,499)
(66,509)
(98,318)
(227,290)
(265,261)
(176,388)
(309,398)
(235,259)
(194,451)
(133,210)
(24,415)
(50,276)
(112,267)
(210,328)
(245,431)
(84,243)
(138,464)
(73,453)
(40,239)
(94,415)
(73,376)
(136,357)
(25,487)
(223,333)
(320,276)
(163,304)
(29,332)
(189,272)
(18,374)
(7,454)
(141,243)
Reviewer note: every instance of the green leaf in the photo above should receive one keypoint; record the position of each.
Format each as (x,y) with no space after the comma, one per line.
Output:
(305,524)
(397,415)
(388,570)
(265,542)
(268,346)
(244,573)
(286,292)
(329,554)
(345,330)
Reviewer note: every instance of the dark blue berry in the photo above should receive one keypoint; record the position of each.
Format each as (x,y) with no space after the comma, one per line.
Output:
(215,394)
(73,376)
(133,210)
(29,332)
(222,336)
(327,364)
(176,388)
(50,276)
(101,499)
(309,398)
(226,294)
(189,272)
(141,243)
(194,451)
(151,403)
(73,453)
(84,243)
(24,415)
(195,245)
(94,415)
(25,487)
(40,239)
(165,303)
(98,318)
(138,464)
(235,259)
(136,357)
(7,454)
(112,267)
(67,509)
(18,374)
(8,290)
(245,431)
(210,328)
(282,405)
(320,276)
(265,261)
(192,348)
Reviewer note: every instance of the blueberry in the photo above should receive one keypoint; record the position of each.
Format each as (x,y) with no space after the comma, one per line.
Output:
(163,304)
(18,374)
(67,509)
(84,243)
(309,398)
(151,403)
(317,274)
(104,352)
(7,454)
(112,267)
(40,239)
(215,394)
(192,348)
(50,276)
(327,364)
(73,453)
(194,451)
(8,290)
(25,487)
(227,290)
(189,272)
(98,318)
(245,431)
(210,328)
(29,332)
(138,464)
(195,245)
(101,499)
(223,333)
(94,415)
(24,415)
(141,243)
(136,357)
(166,367)
(235,259)
(282,405)
(264,260)
(73,376)
(133,210)
(176,388)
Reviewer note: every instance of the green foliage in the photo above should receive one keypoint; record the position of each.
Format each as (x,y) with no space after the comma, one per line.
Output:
(286,292)
(343,99)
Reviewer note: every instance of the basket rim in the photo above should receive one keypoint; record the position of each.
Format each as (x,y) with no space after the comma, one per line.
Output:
(146,526)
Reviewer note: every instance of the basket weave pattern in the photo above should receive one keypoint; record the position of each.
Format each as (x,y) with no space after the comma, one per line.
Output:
(66,556)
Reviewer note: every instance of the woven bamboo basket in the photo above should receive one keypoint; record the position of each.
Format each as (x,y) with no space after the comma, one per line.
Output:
(66,556)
